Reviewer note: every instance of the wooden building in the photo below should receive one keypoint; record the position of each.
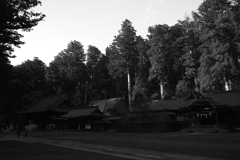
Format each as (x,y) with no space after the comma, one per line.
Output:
(215,109)
(99,115)
(47,110)
(220,109)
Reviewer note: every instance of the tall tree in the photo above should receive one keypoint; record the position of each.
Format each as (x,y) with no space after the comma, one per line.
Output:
(104,82)
(98,73)
(190,41)
(14,15)
(141,87)
(165,56)
(93,57)
(115,65)
(28,85)
(126,42)
(36,71)
(219,29)
(68,70)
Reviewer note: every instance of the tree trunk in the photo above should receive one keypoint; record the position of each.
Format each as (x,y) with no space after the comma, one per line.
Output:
(85,99)
(161,90)
(227,84)
(129,92)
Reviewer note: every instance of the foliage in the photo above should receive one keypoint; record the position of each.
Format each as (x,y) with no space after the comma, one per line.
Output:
(104,82)
(123,56)
(119,76)
(27,86)
(29,77)
(68,72)
(219,31)
(190,41)
(117,65)
(93,56)
(123,53)
(126,42)
(165,56)
(200,53)
(99,77)
(14,15)
(183,89)
(142,87)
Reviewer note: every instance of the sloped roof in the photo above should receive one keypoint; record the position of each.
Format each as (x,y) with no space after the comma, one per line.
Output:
(195,95)
(170,105)
(220,100)
(111,103)
(176,104)
(49,103)
(100,103)
(197,104)
(94,102)
(86,111)
(61,108)
(106,104)
(204,101)
(230,98)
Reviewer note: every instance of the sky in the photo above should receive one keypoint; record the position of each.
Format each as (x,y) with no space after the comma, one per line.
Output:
(94,22)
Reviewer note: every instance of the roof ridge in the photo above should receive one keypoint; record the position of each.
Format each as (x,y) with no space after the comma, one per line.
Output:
(221,92)
(52,96)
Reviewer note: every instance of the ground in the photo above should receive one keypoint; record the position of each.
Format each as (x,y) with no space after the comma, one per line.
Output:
(12,150)
(211,145)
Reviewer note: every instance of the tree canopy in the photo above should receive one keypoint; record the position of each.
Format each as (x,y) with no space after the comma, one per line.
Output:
(16,15)
(68,70)
(165,56)
(27,86)
(124,58)
(218,24)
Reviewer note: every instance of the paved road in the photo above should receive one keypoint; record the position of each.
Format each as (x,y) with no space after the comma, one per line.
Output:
(108,151)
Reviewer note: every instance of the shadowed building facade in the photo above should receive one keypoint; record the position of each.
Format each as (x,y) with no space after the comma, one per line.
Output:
(47,110)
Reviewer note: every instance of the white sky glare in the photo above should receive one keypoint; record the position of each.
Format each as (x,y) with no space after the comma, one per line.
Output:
(95,22)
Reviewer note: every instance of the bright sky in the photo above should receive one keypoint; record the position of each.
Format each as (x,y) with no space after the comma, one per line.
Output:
(95,22)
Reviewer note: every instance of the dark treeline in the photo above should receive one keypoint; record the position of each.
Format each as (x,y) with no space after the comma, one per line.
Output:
(201,53)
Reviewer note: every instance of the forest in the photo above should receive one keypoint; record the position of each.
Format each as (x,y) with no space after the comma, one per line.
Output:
(201,53)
